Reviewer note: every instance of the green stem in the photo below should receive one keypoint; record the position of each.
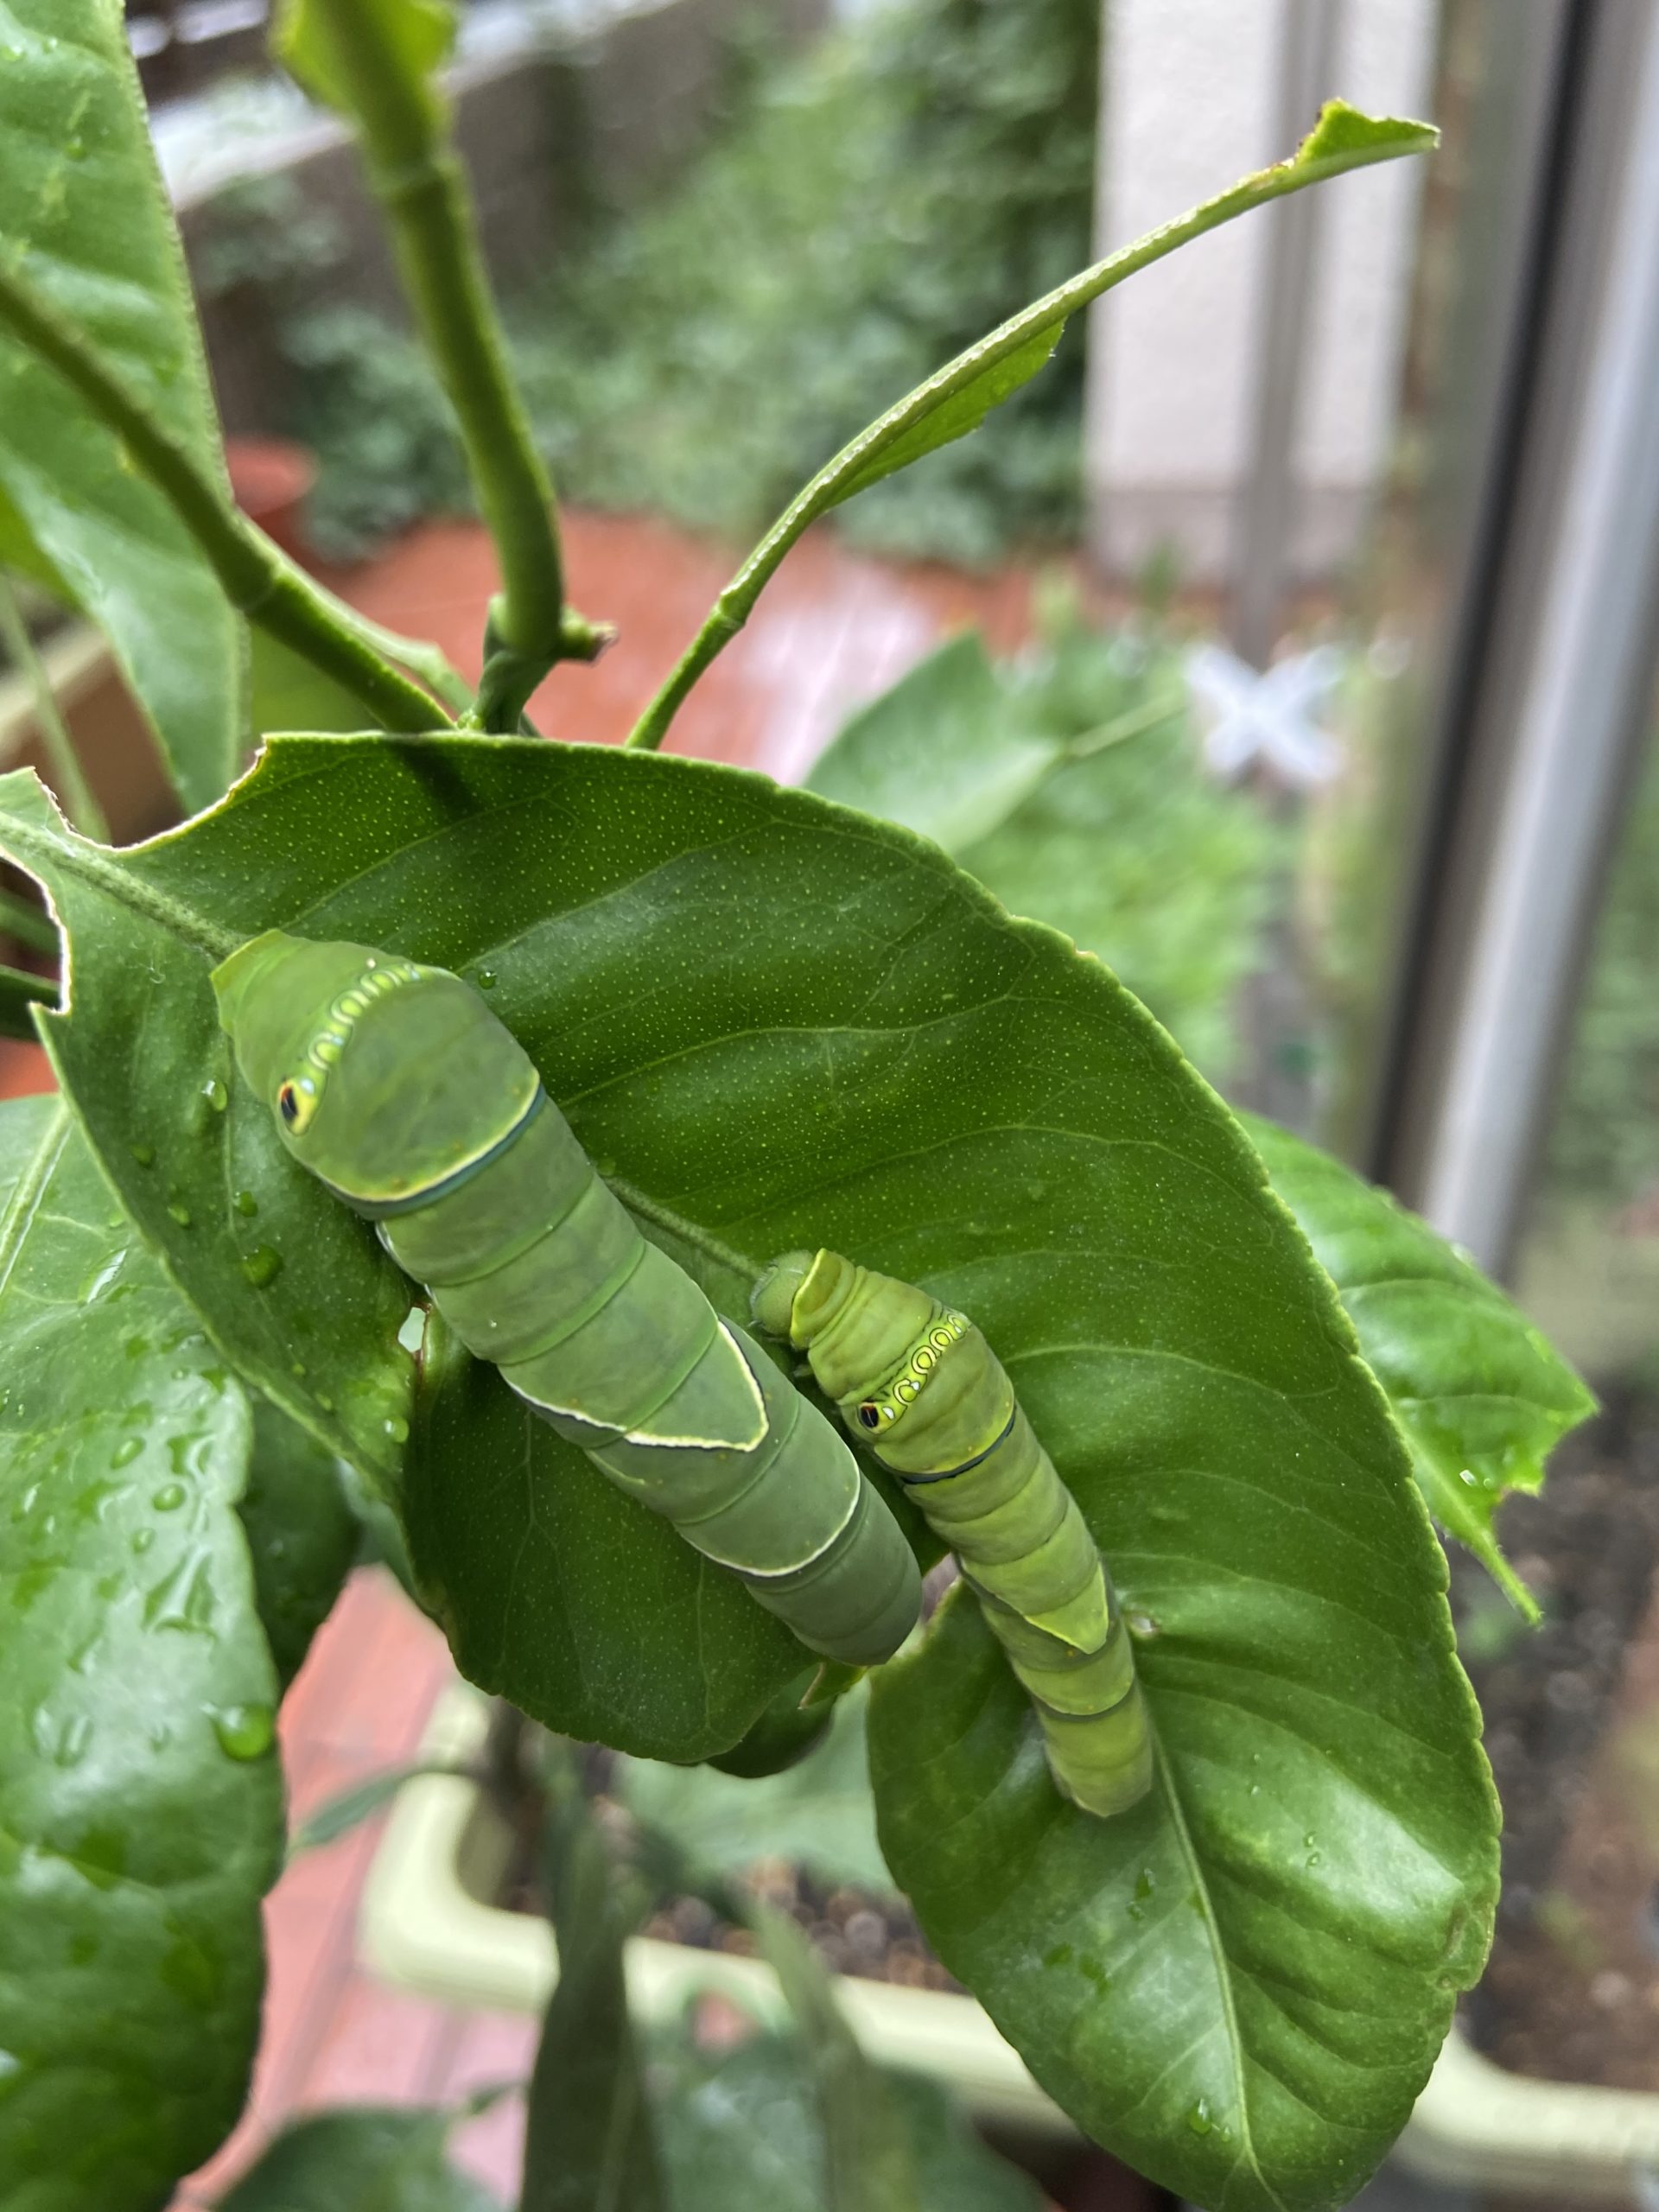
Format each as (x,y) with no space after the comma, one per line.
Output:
(414,173)
(1340,143)
(67,777)
(255,578)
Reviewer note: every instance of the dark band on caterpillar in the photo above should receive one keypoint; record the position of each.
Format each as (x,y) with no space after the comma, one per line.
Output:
(950,1474)
(396,1087)
(457,1177)
(922,1380)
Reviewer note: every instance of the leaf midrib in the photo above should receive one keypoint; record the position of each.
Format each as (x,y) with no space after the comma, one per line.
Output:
(1223,1964)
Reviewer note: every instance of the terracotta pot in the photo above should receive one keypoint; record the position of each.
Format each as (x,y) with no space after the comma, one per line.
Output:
(25,1072)
(271,480)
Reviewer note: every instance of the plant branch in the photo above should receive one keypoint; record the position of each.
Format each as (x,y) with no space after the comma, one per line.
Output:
(257,579)
(68,775)
(988,372)
(419,182)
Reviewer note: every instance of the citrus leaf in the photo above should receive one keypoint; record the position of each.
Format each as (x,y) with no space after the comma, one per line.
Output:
(1483,1397)
(588,2139)
(957,399)
(362,2158)
(83,213)
(774,1021)
(302,1536)
(142,1817)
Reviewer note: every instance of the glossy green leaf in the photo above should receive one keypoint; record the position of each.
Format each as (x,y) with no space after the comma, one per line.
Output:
(141,1801)
(304,1303)
(1240,1987)
(1483,1397)
(361,2158)
(740,2131)
(817,1815)
(84,214)
(302,1536)
(588,2141)
(772,1022)
(866,2159)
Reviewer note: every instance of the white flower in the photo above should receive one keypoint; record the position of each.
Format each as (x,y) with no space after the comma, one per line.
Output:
(1266,717)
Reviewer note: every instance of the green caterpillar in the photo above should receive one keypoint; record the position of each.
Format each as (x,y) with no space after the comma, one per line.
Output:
(398,1089)
(920,1385)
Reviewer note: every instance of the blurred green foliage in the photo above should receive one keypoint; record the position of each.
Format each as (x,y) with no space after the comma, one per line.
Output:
(1090,808)
(859,214)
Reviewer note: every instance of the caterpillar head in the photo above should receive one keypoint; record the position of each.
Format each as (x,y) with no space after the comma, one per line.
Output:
(383,1077)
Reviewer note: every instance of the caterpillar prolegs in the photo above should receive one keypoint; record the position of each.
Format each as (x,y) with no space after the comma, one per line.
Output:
(396,1087)
(919,1384)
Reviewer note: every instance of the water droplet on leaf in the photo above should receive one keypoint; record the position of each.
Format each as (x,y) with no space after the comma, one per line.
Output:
(1198,2119)
(244,1732)
(144,1155)
(216,1094)
(246,1203)
(261,1266)
(126,1452)
(169,1498)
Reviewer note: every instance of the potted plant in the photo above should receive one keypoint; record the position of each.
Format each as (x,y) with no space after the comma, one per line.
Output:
(740,1021)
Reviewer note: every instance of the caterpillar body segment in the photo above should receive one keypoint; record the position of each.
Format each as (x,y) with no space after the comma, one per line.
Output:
(921,1387)
(396,1085)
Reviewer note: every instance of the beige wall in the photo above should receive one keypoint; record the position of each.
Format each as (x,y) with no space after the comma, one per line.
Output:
(1189,95)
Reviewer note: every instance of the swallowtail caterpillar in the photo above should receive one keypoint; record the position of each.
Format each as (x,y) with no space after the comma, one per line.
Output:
(921,1387)
(396,1087)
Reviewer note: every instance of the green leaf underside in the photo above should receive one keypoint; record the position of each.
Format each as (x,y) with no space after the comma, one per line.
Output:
(867,2157)
(83,213)
(362,2158)
(817,1815)
(1483,1397)
(775,1022)
(302,1536)
(740,2132)
(589,2142)
(134,1847)
(959,413)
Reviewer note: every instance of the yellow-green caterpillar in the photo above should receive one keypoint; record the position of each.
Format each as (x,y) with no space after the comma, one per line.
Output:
(395,1084)
(919,1384)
